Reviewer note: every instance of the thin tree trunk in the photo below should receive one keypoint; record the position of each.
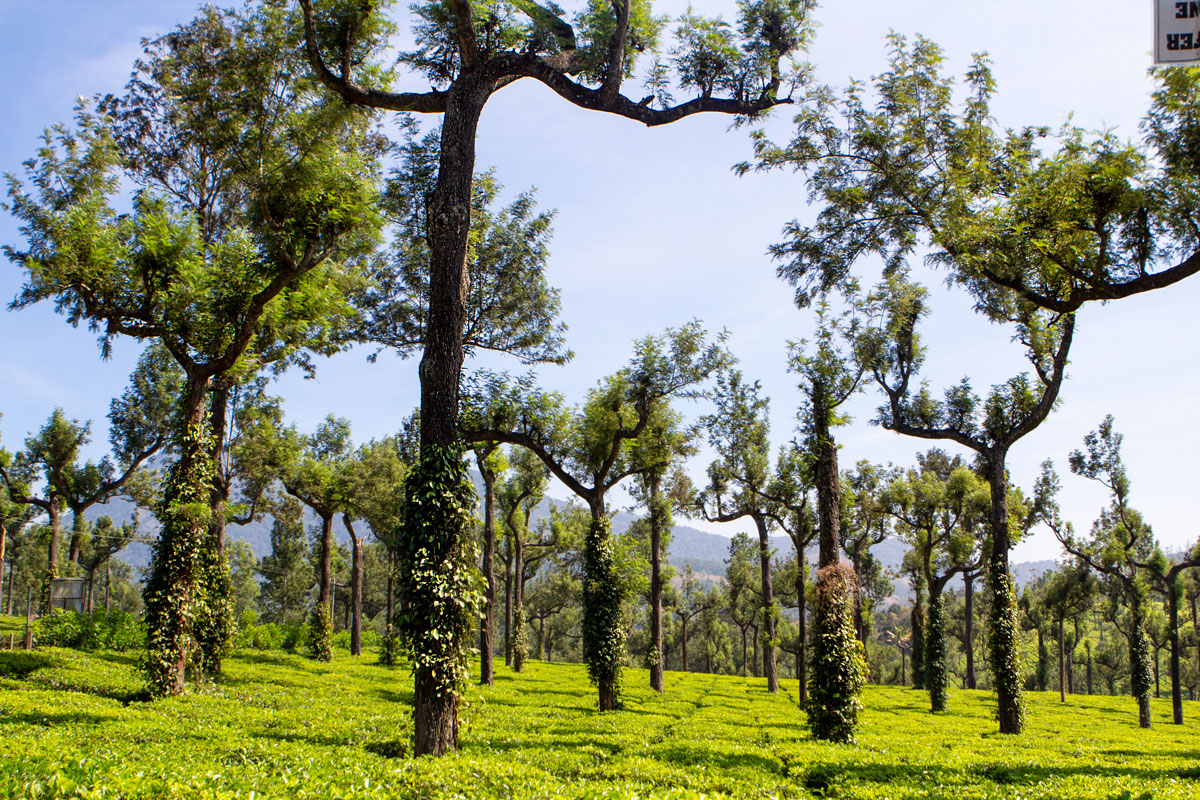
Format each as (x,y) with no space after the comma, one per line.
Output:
(508,601)
(1173,622)
(656,582)
(326,587)
(488,623)
(518,609)
(107,584)
(685,643)
(969,627)
(768,604)
(78,528)
(802,632)
(1003,628)
(1062,660)
(356,586)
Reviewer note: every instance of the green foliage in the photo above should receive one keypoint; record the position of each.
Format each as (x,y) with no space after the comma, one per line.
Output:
(838,668)
(441,587)
(320,633)
(70,729)
(113,630)
(175,593)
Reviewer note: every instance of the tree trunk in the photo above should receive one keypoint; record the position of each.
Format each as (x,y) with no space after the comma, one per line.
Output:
(78,528)
(488,624)
(969,627)
(768,604)
(220,489)
(518,611)
(685,658)
(1003,634)
(1139,660)
(1088,645)
(54,512)
(656,582)
(1173,628)
(1062,659)
(828,482)
(175,587)
(802,633)
(603,632)
(389,630)
(107,584)
(935,647)
(356,588)
(508,601)
(745,671)
(325,588)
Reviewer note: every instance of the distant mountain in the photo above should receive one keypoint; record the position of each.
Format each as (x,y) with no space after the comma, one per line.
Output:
(705,552)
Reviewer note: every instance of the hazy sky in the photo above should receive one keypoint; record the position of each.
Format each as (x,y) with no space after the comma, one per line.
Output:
(653,229)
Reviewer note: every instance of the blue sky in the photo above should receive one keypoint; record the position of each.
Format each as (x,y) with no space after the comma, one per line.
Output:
(653,229)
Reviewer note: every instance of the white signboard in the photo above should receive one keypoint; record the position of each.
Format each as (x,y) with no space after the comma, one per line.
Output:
(1176,32)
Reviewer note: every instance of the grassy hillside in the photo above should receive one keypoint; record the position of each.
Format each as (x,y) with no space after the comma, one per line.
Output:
(74,725)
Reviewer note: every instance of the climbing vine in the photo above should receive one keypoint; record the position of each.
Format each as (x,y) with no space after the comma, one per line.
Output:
(440,585)
(174,593)
(320,633)
(1003,638)
(935,652)
(838,668)
(603,632)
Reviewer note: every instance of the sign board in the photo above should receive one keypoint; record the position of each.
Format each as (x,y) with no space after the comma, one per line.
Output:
(66,593)
(1176,32)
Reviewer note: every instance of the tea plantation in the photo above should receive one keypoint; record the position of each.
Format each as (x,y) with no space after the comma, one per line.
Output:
(75,724)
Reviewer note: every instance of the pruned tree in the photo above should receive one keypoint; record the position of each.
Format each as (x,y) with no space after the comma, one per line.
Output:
(254,196)
(591,450)
(469,53)
(739,433)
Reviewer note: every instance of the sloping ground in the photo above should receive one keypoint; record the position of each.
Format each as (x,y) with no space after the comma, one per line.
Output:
(74,725)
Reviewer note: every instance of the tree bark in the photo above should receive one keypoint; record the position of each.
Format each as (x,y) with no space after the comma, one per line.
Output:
(828,482)
(78,526)
(1062,675)
(508,602)
(326,586)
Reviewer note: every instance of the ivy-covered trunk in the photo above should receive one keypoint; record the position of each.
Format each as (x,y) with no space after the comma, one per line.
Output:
(441,591)
(768,604)
(519,638)
(1140,675)
(174,593)
(935,648)
(487,625)
(320,631)
(214,623)
(969,627)
(1003,632)
(603,633)
(659,518)
(839,670)
(917,622)
(802,633)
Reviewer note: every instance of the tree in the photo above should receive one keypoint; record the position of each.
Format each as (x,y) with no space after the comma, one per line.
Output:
(831,371)
(490,461)
(591,450)
(254,194)
(1121,547)
(1018,228)
(866,526)
(104,541)
(739,594)
(468,54)
(287,569)
(517,498)
(938,507)
(738,431)
(1070,591)
(689,601)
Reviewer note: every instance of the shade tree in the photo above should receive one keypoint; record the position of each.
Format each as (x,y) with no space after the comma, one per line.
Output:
(253,195)
(467,54)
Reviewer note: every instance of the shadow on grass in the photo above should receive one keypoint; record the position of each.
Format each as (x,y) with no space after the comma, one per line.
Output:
(54,720)
(19,664)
